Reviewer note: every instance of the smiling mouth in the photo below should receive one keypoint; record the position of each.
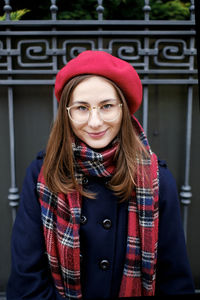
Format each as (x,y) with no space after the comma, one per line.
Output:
(97,134)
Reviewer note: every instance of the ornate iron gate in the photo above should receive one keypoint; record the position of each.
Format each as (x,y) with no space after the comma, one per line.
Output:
(163,53)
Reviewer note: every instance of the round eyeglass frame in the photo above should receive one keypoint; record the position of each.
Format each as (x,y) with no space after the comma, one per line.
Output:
(90,109)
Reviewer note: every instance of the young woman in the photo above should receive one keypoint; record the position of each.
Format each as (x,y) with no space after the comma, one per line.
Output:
(99,214)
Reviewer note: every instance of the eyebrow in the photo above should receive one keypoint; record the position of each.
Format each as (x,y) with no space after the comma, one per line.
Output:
(85,102)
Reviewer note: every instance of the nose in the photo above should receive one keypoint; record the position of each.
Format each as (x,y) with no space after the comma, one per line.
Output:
(94,120)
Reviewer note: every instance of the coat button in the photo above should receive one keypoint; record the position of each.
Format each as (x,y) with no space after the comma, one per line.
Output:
(81,258)
(85,180)
(104,264)
(107,223)
(83,220)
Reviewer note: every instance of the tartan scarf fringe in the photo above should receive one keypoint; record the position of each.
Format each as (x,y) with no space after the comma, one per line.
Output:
(61,222)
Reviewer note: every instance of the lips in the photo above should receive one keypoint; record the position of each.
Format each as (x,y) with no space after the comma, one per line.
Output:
(97,134)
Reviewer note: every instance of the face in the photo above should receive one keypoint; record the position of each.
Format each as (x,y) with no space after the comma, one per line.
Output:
(96,91)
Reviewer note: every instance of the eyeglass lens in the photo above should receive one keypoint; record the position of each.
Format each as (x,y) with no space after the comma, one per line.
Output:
(81,113)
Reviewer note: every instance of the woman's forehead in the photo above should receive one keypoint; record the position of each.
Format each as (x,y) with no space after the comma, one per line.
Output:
(94,89)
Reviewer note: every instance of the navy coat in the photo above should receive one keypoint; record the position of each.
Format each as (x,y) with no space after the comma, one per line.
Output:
(103,243)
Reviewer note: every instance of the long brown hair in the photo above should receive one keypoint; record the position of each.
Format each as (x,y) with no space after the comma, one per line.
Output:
(58,167)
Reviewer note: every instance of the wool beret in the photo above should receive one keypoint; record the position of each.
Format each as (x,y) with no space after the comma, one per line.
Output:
(106,65)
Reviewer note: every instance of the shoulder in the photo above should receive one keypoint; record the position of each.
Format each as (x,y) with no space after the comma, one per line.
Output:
(33,169)
(166,179)
(28,196)
(168,193)
(37,163)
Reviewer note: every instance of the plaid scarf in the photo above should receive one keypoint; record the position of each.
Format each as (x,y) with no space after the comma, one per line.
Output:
(61,224)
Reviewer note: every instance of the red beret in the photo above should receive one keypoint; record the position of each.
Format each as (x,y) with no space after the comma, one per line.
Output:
(103,64)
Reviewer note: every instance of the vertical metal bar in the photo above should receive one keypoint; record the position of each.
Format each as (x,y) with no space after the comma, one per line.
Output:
(188,134)
(7,8)
(100,10)
(54,10)
(146,10)
(186,192)
(13,195)
(192,10)
(145,108)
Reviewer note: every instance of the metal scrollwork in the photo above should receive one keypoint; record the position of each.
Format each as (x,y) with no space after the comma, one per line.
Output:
(36,50)
(2,54)
(127,50)
(130,51)
(74,51)
(73,47)
(170,52)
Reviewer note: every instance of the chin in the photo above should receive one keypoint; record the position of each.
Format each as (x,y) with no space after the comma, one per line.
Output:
(99,144)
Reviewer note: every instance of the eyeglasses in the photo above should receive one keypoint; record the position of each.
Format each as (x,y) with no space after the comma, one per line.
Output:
(80,113)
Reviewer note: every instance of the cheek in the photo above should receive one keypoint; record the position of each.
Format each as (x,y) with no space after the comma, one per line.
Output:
(75,128)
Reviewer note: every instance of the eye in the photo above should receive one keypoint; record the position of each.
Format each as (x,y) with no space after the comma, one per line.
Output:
(107,106)
(82,108)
